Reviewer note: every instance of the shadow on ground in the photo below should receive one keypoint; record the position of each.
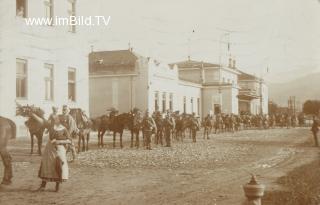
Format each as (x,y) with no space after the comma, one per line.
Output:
(300,187)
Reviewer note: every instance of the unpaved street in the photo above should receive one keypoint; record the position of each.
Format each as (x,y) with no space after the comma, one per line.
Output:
(207,172)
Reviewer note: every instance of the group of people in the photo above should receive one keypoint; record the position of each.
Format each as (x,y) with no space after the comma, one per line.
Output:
(231,122)
(163,126)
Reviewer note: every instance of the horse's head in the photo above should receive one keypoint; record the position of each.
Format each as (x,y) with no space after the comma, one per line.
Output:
(27,111)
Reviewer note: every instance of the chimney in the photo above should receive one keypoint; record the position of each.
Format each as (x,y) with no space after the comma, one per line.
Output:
(234,64)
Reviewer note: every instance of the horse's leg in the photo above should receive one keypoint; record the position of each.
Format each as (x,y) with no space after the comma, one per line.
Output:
(88,138)
(121,146)
(99,141)
(114,139)
(6,159)
(132,133)
(137,143)
(101,138)
(31,136)
(83,138)
(5,156)
(79,142)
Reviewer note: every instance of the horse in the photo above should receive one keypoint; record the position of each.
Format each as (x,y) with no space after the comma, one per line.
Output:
(36,123)
(135,125)
(7,131)
(117,124)
(84,125)
(101,124)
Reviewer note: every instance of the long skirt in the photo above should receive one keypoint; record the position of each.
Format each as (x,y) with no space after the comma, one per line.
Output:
(54,165)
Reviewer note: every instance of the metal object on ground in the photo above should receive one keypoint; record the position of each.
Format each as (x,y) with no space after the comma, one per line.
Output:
(253,191)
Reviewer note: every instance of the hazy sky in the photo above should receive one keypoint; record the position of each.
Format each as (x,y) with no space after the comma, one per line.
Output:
(283,35)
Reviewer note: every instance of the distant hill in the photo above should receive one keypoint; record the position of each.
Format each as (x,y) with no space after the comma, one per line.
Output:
(304,88)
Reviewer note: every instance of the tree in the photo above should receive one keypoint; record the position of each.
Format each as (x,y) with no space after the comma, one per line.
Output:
(311,107)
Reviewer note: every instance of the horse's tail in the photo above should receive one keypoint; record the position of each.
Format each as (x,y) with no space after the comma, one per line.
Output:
(13,129)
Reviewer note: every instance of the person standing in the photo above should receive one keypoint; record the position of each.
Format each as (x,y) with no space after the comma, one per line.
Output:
(168,126)
(148,126)
(315,130)
(194,127)
(70,124)
(52,116)
(54,165)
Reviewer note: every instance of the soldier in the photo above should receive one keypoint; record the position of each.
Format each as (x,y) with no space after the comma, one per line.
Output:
(53,115)
(159,122)
(168,126)
(194,127)
(207,124)
(70,124)
(148,125)
(315,129)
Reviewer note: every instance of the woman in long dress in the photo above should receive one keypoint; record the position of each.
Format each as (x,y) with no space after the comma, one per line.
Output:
(54,165)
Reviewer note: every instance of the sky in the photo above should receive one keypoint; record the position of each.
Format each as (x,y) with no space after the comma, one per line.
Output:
(281,35)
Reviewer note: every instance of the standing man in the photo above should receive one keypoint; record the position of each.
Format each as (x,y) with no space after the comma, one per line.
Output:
(70,124)
(194,127)
(168,126)
(148,125)
(53,116)
(315,129)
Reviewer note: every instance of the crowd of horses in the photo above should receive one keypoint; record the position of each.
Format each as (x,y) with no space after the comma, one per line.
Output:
(184,124)
(132,121)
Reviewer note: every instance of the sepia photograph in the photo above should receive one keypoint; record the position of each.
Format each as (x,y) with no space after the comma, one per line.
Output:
(159,102)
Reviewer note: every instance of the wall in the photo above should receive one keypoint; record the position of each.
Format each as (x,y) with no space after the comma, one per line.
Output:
(39,45)
(191,74)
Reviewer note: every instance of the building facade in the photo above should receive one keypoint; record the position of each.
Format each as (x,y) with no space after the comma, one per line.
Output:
(41,65)
(253,95)
(125,80)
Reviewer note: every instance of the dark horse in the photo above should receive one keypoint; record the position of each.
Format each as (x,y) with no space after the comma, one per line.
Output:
(117,124)
(7,131)
(135,125)
(101,124)
(84,125)
(36,123)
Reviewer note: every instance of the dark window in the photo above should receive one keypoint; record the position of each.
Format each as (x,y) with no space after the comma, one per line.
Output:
(198,106)
(49,9)
(171,102)
(72,84)
(191,105)
(164,102)
(21,78)
(72,12)
(21,8)
(48,81)
(184,104)
(156,101)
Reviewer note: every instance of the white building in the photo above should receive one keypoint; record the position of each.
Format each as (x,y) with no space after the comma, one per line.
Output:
(41,65)
(253,95)
(124,80)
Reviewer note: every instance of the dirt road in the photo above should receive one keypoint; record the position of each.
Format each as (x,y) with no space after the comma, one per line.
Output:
(207,172)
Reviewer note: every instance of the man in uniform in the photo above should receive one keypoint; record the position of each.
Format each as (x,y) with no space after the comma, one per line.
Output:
(194,127)
(148,125)
(53,115)
(315,130)
(168,126)
(70,124)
